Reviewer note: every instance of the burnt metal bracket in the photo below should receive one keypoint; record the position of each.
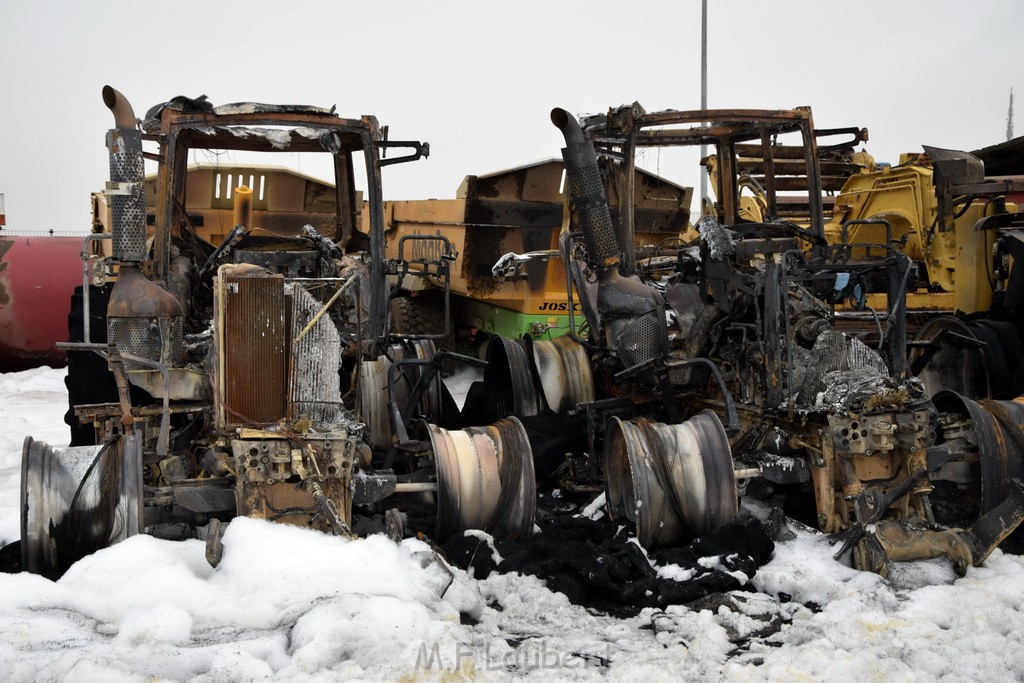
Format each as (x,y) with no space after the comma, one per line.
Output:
(597,413)
(566,243)
(438,268)
(373,487)
(973,544)
(115,358)
(236,233)
(871,504)
(420,150)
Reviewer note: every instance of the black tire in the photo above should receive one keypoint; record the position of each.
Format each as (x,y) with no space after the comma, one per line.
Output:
(89,380)
(424,314)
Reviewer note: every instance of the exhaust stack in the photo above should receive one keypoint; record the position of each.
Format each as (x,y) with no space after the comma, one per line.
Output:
(143,318)
(631,313)
(586,193)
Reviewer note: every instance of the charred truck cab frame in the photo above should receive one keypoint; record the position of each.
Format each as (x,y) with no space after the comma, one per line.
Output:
(752,337)
(181,128)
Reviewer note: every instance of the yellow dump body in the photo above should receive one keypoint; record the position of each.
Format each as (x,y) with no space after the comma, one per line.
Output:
(479,246)
(520,210)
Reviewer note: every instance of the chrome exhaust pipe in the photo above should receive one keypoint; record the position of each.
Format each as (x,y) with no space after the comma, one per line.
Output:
(127,172)
(124,115)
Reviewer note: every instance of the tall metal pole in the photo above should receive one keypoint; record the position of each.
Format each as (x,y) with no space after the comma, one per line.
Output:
(1010,118)
(703,91)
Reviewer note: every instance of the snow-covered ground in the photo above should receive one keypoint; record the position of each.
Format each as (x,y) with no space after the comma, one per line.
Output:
(291,604)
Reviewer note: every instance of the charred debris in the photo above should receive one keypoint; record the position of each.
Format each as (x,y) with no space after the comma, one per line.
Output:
(264,375)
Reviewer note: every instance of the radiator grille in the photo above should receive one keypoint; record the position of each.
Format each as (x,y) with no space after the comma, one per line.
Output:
(255,357)
(315,385)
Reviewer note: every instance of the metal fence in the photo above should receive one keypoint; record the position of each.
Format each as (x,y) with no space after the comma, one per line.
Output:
(21,232)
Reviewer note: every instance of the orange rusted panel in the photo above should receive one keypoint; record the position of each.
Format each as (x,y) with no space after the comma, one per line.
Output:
(255,356)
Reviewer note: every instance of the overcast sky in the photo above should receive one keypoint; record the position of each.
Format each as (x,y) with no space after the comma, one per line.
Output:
(477,79)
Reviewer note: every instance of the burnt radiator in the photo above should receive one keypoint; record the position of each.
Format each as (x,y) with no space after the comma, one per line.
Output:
(254,357)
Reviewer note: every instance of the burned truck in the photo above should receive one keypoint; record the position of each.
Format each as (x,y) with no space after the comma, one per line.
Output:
(258,376)
(813,406)
(714,369)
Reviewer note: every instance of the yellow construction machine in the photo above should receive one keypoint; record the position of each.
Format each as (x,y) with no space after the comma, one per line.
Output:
(959,226)
(929,205)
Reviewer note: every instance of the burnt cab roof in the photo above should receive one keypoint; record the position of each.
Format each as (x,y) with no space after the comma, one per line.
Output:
(694,127)
(745,141)
(258,126)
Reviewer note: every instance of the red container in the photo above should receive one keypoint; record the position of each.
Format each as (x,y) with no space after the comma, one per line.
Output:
(38,275)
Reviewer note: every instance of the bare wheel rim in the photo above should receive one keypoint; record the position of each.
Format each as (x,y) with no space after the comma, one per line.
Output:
(485,479)
(674,481)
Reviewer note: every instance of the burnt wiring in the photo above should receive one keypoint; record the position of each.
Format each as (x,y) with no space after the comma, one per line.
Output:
(878,324)
(656,249)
